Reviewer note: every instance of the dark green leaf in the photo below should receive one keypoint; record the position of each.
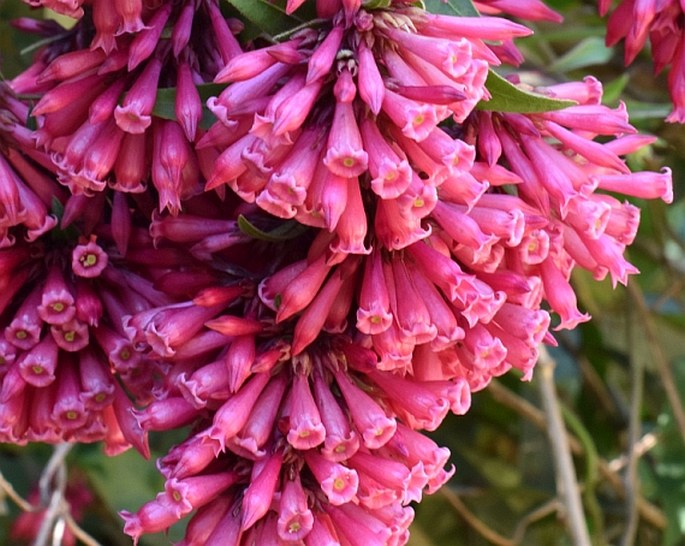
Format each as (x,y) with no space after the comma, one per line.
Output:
(284,232)
(507,97)
(462,8)
(71,233)
(57,208)
(165,103)
(376,4)
(269,18)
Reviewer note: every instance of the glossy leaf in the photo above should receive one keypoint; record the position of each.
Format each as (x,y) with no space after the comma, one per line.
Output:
(165,103)
(285,231)
(507,97)
(270,18)
(376,4)
(461,8)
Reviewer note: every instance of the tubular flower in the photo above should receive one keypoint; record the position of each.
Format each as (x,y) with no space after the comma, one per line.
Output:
(384,251)
(96,115)
(285,404)
(308,441)
(64,352)
(58,362)
(662,24)
(111,18)
(64,343)
(568,179)
(313,127)
(28,189)
(529,10)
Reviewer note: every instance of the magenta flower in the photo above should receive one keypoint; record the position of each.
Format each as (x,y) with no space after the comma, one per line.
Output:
(63,304)
(306,478)
(531,10)
(96,116)
(395,80)
(384,251)
(637,22)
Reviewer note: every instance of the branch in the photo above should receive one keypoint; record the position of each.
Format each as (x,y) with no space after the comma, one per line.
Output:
(489,534)
(648,511)
(473,521)
(8,489)
(567,485)
(642,446)
(52,485)
(660,360)
(631,478)
(79,533)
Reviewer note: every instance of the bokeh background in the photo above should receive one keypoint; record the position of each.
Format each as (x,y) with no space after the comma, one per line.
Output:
(620,379)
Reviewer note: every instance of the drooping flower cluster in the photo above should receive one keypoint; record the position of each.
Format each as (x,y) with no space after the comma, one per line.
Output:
(295,136)
(98,94)
(323,429)
(60,317)
(663,24)
(384,251)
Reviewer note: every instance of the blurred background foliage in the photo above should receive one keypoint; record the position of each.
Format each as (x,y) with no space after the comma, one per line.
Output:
(627,365)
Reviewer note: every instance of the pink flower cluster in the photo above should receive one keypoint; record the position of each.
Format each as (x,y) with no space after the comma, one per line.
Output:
(96,117)
(338,261)
(661,23)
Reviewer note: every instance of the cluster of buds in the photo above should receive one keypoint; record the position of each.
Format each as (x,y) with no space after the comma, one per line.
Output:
(342,258)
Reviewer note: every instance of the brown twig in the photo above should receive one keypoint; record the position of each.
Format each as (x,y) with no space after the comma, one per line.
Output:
(79,533)
(52,485)
(567,484)
(489,534)
(649,512)
(550,507)
(51,517)
(659,358)
(474,521)
(631,479)
(57,517)
(642,446)
(8,489)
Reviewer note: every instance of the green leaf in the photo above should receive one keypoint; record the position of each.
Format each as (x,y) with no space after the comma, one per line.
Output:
(105,476)
(461,8)
(507,97)
(269,18)
(57,208)
(614,89)
(284,232)
(165,103)
(376,4)
(71,233)
(589,52)
(638,110)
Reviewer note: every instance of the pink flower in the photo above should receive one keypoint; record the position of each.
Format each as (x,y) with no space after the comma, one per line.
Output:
(532,10)
(97,110)
(430,75)
(295,520)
